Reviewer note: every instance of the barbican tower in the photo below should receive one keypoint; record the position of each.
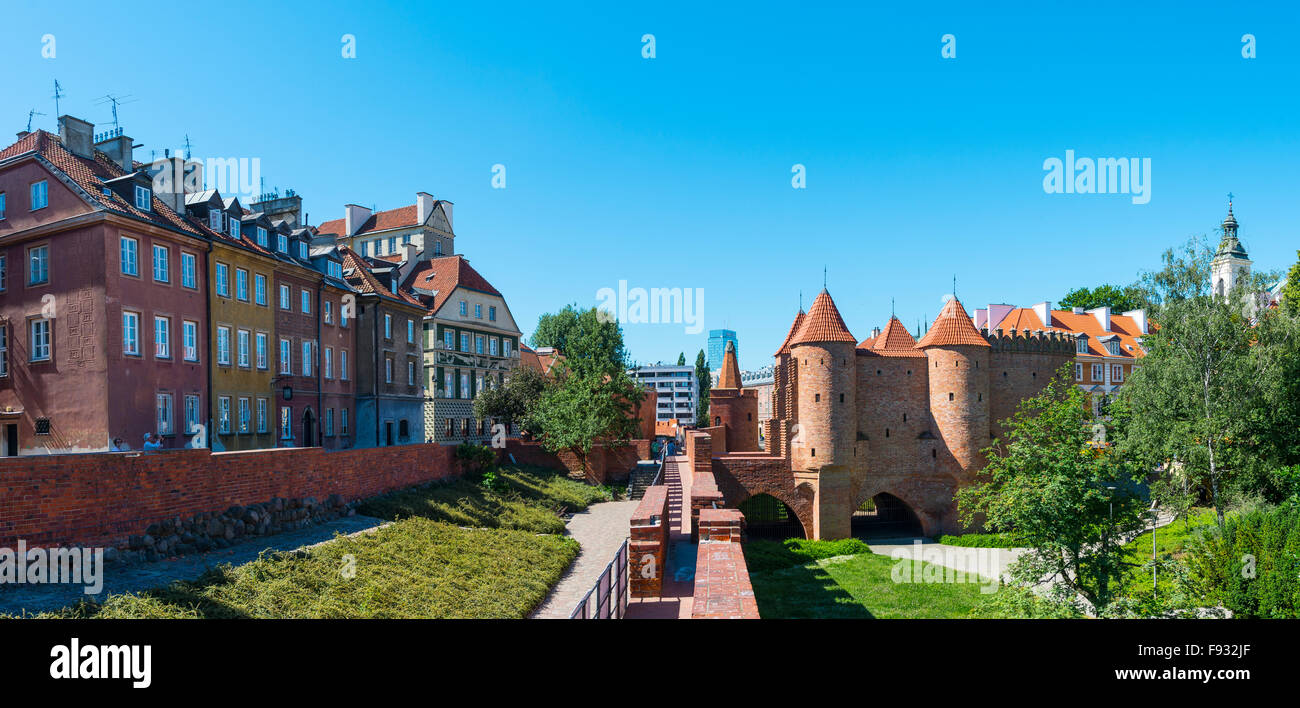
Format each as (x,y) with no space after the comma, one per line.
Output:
(822,351)
(958,363)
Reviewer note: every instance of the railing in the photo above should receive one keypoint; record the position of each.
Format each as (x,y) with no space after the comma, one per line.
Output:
(610,591)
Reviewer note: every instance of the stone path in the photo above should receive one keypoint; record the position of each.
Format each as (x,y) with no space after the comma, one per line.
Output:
(137,577)
(599,531)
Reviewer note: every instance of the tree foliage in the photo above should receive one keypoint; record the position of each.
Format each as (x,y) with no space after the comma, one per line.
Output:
(1291,291)
(705,378)
(1119,299)
(1071,502)
(581,408)
(515,401)
(590,340)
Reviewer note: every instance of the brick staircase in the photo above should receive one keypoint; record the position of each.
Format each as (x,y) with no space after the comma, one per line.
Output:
(641,477)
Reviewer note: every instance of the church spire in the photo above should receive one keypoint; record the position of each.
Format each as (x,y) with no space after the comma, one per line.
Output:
(1230,246)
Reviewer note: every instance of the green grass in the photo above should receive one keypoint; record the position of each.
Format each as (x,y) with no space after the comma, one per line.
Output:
(1171,540)
(527,499)
(415,568)
(856,587)
(762,556)
(980,540)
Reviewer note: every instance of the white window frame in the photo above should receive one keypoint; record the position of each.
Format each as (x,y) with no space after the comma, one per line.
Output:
(128,256)
(190,339)
(328,363)
(223,415)
(38,262)
(259,347)
(241,284)
(305,297)
(261,236)
(40,194)
(130,333)
(245,420)
(143,198)
(286,356)
(223,279)
(41,345)
(192,420)
(162,268)
(223,345)
(343,365)
(307,358)
(243,348)
(286,298)
(189,270)
(164,413)
(162,337)
(262,408)
(1098,372)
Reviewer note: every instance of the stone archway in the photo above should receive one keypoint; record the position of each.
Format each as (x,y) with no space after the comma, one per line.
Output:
(769,518)
(903,514)
(885,516)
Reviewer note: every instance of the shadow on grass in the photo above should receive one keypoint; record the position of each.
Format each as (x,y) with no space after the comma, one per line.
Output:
(804,592)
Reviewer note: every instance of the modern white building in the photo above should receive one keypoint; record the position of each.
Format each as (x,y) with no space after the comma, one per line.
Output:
(678,389)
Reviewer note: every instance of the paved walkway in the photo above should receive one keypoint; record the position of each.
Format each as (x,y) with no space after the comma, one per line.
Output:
(679,578)
(137,577)
(599,530)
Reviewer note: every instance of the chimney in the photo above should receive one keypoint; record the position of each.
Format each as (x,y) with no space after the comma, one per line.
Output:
(1139,318)
(23,133)
(353,217)
(1103,316)
(423,206)
(409,262)
(75,134)
(118,147)
(168,178)
(1044,312)
(1077,310)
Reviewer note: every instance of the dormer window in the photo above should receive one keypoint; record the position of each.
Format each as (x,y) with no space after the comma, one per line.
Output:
(302,250)
(261,236)
(1081,345)
(143,198)
(1113,348)
(214,220)
(234,227)
(282,243)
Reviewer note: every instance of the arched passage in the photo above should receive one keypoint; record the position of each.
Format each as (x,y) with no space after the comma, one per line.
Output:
(883,516)
(767,517)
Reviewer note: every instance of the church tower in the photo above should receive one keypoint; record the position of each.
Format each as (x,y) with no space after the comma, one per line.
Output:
(1231,265)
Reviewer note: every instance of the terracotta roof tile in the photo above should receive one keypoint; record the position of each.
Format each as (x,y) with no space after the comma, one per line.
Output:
(1024,319)
(444,275)
(363,280)
(953,327)
(729,376)
(823,323)
(398,218)
(894,340)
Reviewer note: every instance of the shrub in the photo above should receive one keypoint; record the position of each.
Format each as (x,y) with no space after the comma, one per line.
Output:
(1251,567)
(980,540)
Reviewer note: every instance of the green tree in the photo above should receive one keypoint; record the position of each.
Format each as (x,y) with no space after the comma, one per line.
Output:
(581,408)
(1070,501)
(681,359)
(1190,405)
(1291,291)
(1119,299)
(705,379)
(515,401)
(590,340)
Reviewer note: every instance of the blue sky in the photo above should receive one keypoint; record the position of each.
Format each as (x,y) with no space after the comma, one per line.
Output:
(676,171)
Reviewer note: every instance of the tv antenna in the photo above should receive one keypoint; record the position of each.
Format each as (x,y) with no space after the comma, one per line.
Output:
(30,114)
(115,101)
(58,93)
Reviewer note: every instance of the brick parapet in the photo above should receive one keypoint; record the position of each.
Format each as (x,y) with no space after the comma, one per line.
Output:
(722,586)
(649,545)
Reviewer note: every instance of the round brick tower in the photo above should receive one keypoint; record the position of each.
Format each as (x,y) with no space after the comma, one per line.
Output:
(823,351)
(958,359)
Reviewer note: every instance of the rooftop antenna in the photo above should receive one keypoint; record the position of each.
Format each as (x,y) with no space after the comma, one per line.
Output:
(115,101)
(823,277)
(32,112)
(954,286)
(891,308)
(58,93)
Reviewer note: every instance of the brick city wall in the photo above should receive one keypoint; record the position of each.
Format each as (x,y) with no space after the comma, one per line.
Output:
(704,489)
(648,547)
(102,499)
(604,464)
(722,587)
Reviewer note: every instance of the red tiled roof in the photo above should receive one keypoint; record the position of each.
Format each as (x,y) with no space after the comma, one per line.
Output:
(823,323)
(1024,319)
(794,327)
(952,327)
(364,281)
(90,175)
(894,340)
(400,217)
(444,275)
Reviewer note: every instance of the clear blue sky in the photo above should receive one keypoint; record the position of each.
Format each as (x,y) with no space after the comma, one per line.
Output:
(675,172)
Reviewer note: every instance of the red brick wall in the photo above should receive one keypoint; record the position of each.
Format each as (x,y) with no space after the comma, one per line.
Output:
(649,543)
(604,464)
(102,499)
(722,587)
(827,408)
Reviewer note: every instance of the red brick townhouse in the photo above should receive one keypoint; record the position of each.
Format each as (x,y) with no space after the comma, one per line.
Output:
(101,282)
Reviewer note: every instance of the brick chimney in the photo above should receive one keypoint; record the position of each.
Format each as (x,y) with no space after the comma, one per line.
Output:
(76,135)
(353,217)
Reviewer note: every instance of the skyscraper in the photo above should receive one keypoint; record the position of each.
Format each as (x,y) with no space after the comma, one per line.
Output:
(718,339)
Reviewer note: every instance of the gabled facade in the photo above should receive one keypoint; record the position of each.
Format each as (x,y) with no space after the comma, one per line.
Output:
(426,225)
